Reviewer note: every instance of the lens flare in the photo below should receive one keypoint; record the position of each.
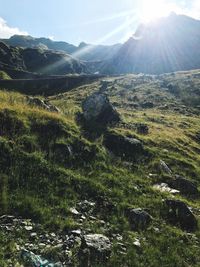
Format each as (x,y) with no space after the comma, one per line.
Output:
(153,9)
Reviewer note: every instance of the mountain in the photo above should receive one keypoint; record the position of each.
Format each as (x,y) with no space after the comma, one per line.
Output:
(44,43)
(83,51)
(166,45)
(40,61)
(90,52)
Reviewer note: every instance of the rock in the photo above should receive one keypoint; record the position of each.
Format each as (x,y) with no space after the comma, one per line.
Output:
(35,101)
(142,128)
(183,185)
(104,84)
(53,235)
(139,219)
(165,168)
(42,245)
(124,147)
(86,206)
(163,187)
(137,243)
(7,219)
(28,228)
(94,247)
(74,211)
(33,236)
(51,107)
(76,232)
(147,105)
(179,213)
(97,108)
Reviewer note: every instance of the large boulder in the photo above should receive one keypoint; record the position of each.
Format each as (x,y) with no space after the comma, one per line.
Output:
(183,185)
(125,147)
(94,248)
(139,219)
(97,108)
(179,213)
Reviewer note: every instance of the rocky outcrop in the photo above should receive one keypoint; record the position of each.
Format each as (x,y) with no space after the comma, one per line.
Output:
(37,245)
(139,219)
(125,147)
(185,186)
(179,213)
(47,62)
(98,109)
(94,247)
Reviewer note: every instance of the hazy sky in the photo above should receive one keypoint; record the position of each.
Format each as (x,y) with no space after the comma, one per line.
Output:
(92,21)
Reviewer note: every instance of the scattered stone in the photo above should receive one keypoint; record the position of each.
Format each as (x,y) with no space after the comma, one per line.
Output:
(142,128)
(124,147)
(94,247)
(76,232)
(139,219)
(163,187)
(74,211)
(183,185)
(51,107)
(165,168)
(42,245)
(137,243)
(86,206)
(179,213)
(35,101)
(28,228)
(97,108)
(52,234)
(6,219)
(147,105)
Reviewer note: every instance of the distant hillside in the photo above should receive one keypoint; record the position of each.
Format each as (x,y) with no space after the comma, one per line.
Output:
(43,43)
(89,52)
(83,51)
(166,45)
(40,61)
(169,44)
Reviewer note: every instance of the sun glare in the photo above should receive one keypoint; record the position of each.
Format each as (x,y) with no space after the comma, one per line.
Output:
(153,9)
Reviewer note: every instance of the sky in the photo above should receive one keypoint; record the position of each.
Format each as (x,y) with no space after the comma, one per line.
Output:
(90,21)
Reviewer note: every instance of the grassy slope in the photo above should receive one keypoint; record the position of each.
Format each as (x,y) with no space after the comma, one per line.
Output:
(36,184)
(4,75)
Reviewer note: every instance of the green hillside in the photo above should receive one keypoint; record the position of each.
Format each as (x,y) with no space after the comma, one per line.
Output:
(51,164)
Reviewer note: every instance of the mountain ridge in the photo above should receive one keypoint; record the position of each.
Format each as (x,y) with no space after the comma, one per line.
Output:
(166,45)
(94,53)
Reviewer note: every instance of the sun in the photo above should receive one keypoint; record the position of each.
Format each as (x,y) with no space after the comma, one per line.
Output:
(153,9)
